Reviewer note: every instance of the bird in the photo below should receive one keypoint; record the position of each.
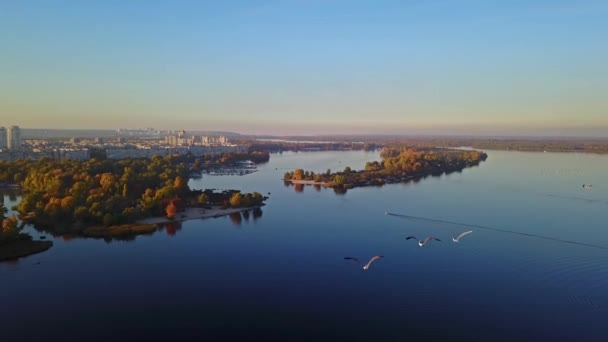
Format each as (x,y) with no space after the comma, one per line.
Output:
(456,239)
(366,266)
(423,242)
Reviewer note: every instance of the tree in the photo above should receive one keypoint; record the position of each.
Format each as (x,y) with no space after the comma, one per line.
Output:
(298,174)
(171,210)
(339,180)
(179,183)
(235,200)
(246,200)
(203,199)
(107,181)
(347,169)
(3,211)
(257,198)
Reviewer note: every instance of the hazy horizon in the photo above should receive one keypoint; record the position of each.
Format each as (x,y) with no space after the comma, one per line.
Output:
(308,67)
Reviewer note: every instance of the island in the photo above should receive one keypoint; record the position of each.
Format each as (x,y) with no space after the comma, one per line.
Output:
(398,164)
(105,198)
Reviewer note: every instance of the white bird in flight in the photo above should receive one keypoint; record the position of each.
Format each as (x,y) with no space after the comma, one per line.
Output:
(423,242)
(456,239)
(366,266)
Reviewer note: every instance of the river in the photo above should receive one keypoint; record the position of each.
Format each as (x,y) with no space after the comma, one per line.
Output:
(535,266)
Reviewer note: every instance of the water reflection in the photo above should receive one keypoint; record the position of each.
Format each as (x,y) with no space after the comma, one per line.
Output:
(257,213)
(340,191)
(236,218)
(172,227)
(299,187)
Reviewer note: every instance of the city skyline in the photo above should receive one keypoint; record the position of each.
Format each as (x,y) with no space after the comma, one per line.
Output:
(308,67)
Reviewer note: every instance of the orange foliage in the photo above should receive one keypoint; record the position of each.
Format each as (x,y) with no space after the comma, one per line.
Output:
(171,210)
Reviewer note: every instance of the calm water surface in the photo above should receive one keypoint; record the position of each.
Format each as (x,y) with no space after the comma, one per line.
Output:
(282,275)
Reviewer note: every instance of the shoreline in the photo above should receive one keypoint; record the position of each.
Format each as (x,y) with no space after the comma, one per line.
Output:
(306,182)
(195,213)
(20,249)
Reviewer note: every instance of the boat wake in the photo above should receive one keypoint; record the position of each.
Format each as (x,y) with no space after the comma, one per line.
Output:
(497,230)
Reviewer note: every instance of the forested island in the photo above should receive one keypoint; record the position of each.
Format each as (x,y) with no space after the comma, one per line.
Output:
(398,164)
(107,198)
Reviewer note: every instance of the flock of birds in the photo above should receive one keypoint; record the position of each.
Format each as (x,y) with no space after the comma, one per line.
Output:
(421,243)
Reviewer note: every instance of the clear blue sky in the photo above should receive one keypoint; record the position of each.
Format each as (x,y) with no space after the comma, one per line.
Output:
(307,66)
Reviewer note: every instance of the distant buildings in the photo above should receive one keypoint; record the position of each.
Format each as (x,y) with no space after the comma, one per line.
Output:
(3,138)
(182,140)
(10,138)
(126,144)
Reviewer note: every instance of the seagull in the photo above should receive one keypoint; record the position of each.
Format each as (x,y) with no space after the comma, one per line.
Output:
(456,239)
(366,266)
(423,242)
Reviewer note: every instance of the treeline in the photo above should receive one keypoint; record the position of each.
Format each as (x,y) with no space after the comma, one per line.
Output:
(9,227)
(310,146)
(113,192)
(398,164)
(14,172)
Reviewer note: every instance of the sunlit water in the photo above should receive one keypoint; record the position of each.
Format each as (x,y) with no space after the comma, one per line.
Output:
(282,275)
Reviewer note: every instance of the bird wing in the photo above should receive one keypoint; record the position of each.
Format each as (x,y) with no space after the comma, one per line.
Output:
(463,234)
(354,259)
(374,258)
(411,237)
(429,239)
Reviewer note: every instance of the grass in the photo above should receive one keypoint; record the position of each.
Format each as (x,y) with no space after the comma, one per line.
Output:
(118,231)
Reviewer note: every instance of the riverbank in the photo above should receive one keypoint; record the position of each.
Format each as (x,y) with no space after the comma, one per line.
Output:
(306,182)
(21,248)
(195,213)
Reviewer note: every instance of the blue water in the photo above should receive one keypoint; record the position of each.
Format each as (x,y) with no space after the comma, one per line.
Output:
(282,275)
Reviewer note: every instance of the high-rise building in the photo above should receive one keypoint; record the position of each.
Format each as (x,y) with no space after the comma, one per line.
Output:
(13,138)
(3,138)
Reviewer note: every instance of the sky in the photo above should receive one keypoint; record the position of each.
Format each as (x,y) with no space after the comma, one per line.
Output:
(307,66)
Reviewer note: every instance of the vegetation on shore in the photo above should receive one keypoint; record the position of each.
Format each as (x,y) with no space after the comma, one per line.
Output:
(398,164)
(528,144)
(71,196)
(14,244)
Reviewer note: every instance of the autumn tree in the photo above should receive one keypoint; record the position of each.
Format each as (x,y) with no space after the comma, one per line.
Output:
(203,199)
(171,210)
(235,200)
(298,174)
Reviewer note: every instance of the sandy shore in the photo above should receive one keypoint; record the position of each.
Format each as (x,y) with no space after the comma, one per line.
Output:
(194,213)
(307,182)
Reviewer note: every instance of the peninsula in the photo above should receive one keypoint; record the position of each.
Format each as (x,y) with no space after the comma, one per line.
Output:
(110,198)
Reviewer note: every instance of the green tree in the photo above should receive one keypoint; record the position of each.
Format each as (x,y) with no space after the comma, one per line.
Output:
(339,180)
(257,198)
